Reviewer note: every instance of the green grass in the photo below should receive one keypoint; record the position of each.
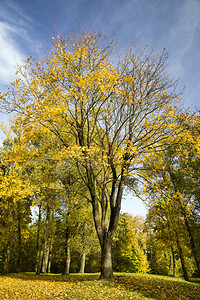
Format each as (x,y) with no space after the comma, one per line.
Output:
(82,287)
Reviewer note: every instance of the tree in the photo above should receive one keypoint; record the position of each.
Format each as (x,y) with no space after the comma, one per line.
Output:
(105,117)
(129,245)
(15,201)
(169,179)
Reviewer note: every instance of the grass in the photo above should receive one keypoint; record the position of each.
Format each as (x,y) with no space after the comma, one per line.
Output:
(82,287)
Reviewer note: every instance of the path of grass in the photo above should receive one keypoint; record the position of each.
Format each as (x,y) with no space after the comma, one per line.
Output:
(82,287)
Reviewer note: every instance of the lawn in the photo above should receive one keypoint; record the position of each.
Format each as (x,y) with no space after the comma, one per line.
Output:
(76,286)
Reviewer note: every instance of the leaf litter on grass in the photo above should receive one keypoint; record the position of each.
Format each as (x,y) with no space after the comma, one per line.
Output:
(82,287)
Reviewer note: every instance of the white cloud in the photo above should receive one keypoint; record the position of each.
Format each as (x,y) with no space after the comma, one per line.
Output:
(16,39)
(182,36)
(10,55)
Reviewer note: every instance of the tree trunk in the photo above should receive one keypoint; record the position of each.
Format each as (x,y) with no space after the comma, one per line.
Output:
(106,259)
(173,262)
(49,261)
(45,257)
(83,258)
(192,242)
(39,264)
(105,235)
(38,246)
(19,242)
(68,259)
(46,243)
(5,259)
(183,264)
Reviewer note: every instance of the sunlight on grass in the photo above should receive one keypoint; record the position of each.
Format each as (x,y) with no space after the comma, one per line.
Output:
(86,286)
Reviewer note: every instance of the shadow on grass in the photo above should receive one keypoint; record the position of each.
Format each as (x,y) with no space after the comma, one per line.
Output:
(160,287)
(54,277)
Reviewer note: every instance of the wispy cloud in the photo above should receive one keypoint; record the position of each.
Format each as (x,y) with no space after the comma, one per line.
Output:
(10,54)
(16,39)
(183,33)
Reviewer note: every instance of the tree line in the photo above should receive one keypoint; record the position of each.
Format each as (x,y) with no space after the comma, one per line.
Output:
(83,131)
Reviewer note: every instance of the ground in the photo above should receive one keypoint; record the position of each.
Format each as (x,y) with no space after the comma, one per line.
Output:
(82,287)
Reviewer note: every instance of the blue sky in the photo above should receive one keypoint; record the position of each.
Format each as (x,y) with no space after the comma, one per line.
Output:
(26,28)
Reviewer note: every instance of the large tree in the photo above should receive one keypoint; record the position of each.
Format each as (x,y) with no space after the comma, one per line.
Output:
(106,117)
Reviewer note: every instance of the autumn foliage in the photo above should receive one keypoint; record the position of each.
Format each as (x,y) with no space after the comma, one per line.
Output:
(85,128)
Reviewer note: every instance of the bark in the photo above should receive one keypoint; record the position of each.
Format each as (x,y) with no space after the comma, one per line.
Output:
(68,258)
(192,242)
(39,264)
(183,264)
(106,259)
(49,261)
(187,224)
(38,246)
(19,243)
(45,257)
(46,243)
(173,262)
(106,235)
(5,259)
(38,228)
(83,256)
(67,252)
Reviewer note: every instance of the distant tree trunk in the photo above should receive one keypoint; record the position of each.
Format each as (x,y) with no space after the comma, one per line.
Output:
(183,264)
(192,242)
(187,224)
(19,240)
(46,243)
(45,256)
(68,261)
(173,262)
(83,256)
(40,259)
(38,246)
(6,249)
(67,257)
(5,259)
(50,257)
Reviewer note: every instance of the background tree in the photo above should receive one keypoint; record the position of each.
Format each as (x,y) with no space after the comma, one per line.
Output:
(129,245)
(15,193)
(169,179)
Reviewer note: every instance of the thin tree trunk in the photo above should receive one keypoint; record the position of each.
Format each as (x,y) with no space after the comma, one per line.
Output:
(183,264)
(187,224)
(192,243)
(68,258)
(39,265)
(19,242)
(46,243)
(50,257)
(173,262)
(83,256)
(6,249)
(38,246)
(5,259)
